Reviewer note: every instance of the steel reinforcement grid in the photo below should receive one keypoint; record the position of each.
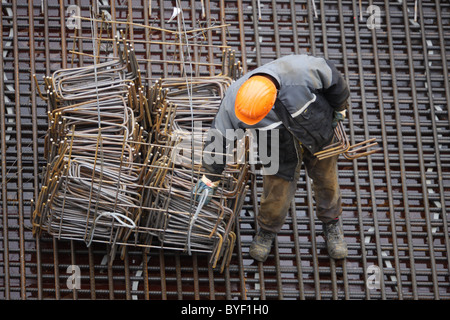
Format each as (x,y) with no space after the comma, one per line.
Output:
(395,57)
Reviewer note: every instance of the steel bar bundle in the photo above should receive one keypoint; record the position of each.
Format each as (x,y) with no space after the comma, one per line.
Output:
(91,189)
(343,146)
(113,172)
(174,218)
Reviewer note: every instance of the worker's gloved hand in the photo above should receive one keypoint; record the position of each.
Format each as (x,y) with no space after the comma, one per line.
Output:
(338,116)
(205,185)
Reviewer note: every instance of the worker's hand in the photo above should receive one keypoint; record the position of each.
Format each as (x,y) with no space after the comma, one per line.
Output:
(338,116)
(205,185)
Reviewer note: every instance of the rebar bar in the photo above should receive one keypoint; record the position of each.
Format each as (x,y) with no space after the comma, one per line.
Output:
(342,146)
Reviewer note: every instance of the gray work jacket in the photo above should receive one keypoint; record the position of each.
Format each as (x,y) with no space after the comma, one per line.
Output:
(310,89)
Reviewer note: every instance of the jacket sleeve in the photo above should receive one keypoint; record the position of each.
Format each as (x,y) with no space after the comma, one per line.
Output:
(217,145)
(335,89)
(214,154)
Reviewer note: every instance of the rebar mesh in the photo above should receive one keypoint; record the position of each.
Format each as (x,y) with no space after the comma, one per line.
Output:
(395,202)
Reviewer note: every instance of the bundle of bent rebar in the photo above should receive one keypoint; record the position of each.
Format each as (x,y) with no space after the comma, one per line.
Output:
(90,188)
(115,167)
(179,222)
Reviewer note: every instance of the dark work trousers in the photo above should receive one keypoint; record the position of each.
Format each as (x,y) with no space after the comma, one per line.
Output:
(278,193)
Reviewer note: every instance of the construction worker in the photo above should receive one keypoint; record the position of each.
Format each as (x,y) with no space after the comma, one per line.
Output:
(302,98)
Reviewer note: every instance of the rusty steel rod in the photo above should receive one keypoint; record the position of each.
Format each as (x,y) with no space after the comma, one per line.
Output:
(343,146)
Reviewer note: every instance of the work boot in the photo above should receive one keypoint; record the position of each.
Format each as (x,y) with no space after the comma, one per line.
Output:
(261,245)
(337,247)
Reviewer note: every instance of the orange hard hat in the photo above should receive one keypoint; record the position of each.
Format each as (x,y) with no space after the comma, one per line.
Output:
(255,99)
